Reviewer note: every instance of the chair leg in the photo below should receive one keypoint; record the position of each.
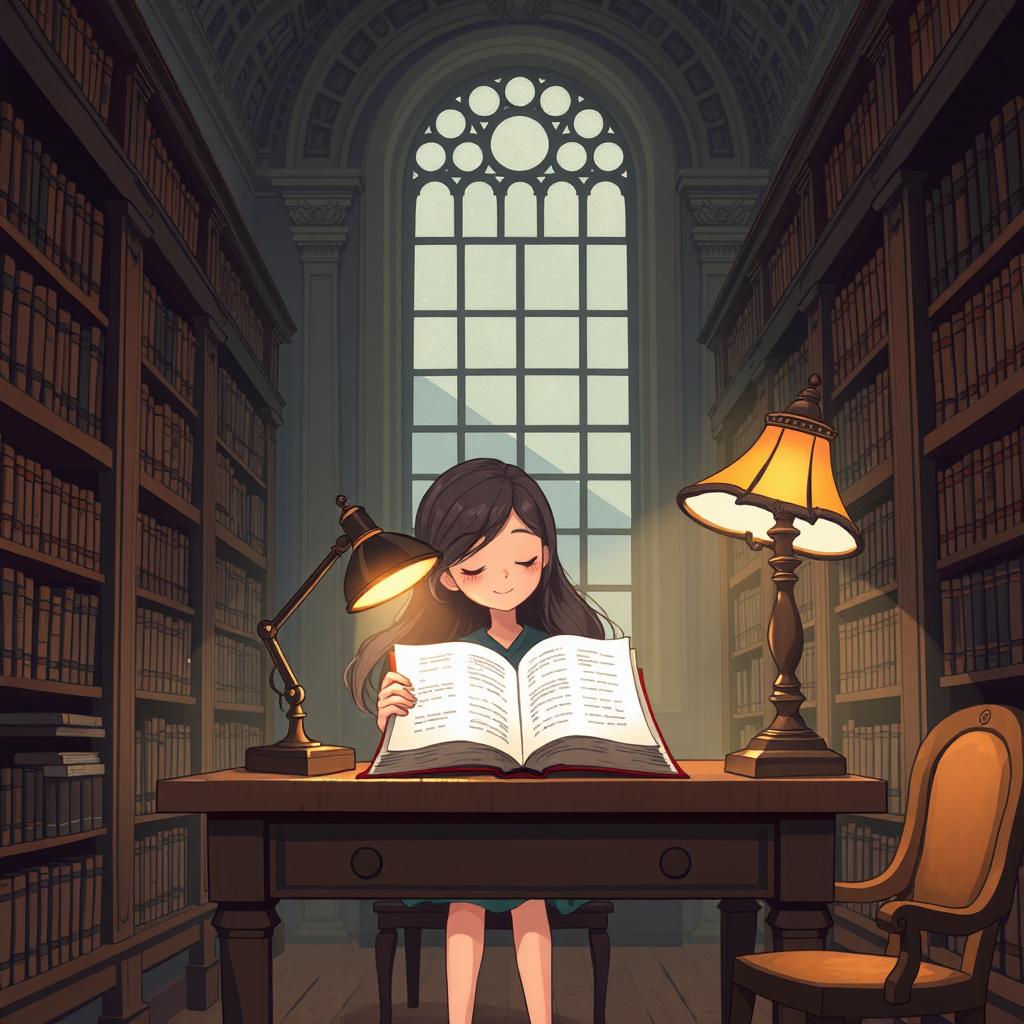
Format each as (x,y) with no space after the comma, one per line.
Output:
(741,1007)
(412,967)
(387,941)
(975,1016)
(600,954)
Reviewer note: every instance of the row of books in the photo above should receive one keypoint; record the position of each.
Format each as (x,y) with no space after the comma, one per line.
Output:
(867,652)
(235,295)
(163,559)
(49,914)
(863,133)
(787,380)
(163,652)
(1008,959)
(237,671)
(168,445)
(977,198)
(239,510)
(43,512)
(876,751)
(46,207)
(153,159)
(163,750)
(807,670)
(864,427)
(168,341)
(803,592)
(49,632)
(875,567)
(44,352)
(981,344)
(239,427)
(740,340)
(981,494)
(794,245)
(50,793)
(161,873)
(931,24)
(741,555)
(864,853)
(747,732)
(239,597)
(983,618)
(230,740)
(752,686)
(860,316)
(72,39)
(747,618)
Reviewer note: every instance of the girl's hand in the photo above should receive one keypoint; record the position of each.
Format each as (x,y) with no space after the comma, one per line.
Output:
(395,697)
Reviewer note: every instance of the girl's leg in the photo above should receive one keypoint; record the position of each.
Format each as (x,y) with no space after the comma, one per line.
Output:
(532,935)
(464,947)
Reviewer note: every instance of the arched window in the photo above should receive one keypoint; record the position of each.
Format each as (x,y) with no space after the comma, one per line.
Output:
(520,334)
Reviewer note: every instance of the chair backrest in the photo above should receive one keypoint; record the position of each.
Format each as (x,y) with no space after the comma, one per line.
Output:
(964,827)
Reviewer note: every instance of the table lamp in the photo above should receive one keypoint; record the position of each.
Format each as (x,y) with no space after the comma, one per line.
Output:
(382,566)
(780,494)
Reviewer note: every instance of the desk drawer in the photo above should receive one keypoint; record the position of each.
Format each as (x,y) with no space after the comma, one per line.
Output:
(332,860)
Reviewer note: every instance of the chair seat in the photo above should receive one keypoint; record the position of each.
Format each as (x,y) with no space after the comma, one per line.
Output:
(831,983)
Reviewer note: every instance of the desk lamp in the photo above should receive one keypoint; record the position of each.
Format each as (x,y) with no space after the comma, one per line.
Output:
(382,566)
(780,494)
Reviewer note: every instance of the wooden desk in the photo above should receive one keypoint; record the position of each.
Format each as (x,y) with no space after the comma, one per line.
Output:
(712,836)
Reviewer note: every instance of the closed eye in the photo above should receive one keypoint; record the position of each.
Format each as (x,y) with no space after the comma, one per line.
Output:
(473,572)
(529,562)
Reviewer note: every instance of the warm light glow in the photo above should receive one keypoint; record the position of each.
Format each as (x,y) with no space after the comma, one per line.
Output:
(394,583)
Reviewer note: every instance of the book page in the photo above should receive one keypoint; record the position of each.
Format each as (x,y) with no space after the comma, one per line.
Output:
(572,685)
(463,692)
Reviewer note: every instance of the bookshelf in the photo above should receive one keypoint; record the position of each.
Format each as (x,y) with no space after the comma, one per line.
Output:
(139,337)
(887,257)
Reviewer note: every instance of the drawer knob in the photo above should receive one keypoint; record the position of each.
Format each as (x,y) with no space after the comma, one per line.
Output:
(675,862)
(366,862)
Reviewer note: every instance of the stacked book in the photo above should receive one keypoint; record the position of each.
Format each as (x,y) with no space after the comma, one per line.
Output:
(50,793)
(29,724)
(161,873)
(163,750)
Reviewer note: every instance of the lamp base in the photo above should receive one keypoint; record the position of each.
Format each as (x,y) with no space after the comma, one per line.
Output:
(785,757)
(319,760)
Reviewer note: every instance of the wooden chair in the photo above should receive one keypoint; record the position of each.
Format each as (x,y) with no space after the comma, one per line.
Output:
(393,914)
(953,873)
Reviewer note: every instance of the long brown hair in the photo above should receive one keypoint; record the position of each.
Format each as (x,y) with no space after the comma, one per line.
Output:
(472,500)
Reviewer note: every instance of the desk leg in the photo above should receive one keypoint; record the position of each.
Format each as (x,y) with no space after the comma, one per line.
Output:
(246,953)
(804,926)
(738,935)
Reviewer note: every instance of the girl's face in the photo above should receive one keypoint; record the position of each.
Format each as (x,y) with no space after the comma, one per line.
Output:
(504,573)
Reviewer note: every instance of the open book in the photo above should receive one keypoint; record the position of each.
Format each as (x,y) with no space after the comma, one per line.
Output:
(575,704)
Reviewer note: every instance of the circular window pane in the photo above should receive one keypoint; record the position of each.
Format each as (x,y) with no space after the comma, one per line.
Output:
(520,143)
(450,123)
(484,100)
(608,156)
(571,156)
(519,91)
(588,123)
(555,100)
(467,156)
(430,156)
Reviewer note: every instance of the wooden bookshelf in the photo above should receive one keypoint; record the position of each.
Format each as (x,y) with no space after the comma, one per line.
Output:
(163,223)
(875,288)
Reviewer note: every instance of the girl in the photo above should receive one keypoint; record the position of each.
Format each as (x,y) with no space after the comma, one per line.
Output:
(499,583)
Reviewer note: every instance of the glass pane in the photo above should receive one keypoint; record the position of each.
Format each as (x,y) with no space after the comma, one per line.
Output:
(552,277)
(607,342)
(552,400)
(564,498)
(435,277)
(491,444)
(490,277)
(561,211)
(419,488)
(608,504)
(435,211)
(490,342)
(434,400)
(490,399)
(434,343)
(521,210)
(479,211)
(569,554)
(608,400)
(618,606)
(608,558)
(552,341)
(433,452)
(608,453)
(552,453)
(606,277)
(606,211)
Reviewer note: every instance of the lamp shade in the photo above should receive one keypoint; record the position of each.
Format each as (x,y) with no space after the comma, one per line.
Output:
(787,470)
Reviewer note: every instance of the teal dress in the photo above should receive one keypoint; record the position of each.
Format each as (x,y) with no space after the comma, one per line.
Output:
(522,643)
